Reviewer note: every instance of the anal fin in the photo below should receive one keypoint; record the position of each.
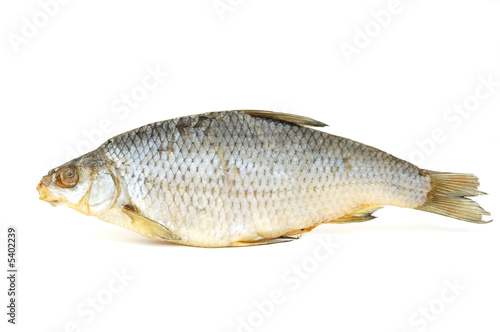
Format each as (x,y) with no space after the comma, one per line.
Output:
(260,242)
(361,214)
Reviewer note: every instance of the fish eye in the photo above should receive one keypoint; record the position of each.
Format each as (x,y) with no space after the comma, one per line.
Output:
(67,177)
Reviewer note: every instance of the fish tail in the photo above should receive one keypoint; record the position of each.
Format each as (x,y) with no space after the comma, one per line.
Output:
(449,197)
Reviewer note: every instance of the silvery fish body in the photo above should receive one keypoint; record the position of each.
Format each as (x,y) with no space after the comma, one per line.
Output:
(246,177)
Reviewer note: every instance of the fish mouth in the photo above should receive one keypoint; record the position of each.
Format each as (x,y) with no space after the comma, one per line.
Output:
(45,194)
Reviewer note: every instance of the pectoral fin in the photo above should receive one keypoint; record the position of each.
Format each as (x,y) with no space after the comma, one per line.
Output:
(148,227)
(362,214)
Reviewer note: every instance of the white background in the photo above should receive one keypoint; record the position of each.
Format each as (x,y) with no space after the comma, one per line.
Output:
(65,78)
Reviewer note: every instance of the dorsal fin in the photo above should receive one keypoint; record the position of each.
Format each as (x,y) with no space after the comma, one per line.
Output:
(286,117)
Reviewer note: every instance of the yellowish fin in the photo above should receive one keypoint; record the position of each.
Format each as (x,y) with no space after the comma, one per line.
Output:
(260,242)
(148,227)
(362,214)
(449,197)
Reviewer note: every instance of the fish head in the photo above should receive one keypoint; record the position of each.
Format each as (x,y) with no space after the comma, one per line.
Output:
(86,186)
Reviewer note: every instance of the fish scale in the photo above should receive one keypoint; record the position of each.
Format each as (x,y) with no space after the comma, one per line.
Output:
(231,136)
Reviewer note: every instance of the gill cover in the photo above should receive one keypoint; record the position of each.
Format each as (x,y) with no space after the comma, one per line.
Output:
(102,191)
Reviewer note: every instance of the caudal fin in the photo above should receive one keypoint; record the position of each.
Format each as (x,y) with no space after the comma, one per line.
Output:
(449,197)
